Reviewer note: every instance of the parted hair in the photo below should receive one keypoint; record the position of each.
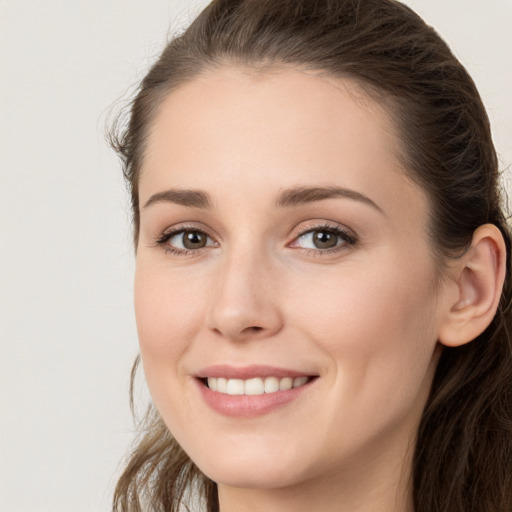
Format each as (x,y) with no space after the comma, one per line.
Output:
(463,452)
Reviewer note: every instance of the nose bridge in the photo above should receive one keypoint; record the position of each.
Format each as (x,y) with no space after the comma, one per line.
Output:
(244,301)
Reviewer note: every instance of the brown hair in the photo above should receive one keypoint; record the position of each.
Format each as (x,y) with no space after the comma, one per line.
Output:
(463,457)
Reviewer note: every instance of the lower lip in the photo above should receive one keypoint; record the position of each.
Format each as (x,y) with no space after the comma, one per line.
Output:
(248,406)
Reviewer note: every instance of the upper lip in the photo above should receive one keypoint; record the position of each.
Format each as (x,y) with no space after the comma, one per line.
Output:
(249,372)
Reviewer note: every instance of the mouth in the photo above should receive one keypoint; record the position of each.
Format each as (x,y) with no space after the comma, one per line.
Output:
(253,390)
(255,385)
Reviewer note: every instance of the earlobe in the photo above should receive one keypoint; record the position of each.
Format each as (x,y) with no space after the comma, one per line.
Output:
(479,276)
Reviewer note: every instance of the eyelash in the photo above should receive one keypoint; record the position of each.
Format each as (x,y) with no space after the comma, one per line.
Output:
(167,235)
(346,237)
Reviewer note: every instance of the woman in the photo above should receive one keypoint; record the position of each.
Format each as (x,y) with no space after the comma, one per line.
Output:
(323,281)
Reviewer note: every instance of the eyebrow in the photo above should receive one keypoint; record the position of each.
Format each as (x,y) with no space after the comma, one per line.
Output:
(302,195)
(190,198)
(287,198)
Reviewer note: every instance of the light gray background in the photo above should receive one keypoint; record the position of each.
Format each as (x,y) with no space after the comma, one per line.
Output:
(67,329)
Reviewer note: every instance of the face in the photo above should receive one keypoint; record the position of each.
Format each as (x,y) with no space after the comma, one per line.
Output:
(285,291)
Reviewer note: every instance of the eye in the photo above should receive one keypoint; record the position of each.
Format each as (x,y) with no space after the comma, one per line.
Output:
(324,238)
(182,241)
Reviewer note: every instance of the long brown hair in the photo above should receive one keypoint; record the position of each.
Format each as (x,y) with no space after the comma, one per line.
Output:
(463,457)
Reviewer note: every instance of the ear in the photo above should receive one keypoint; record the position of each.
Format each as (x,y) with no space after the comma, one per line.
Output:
(478,278)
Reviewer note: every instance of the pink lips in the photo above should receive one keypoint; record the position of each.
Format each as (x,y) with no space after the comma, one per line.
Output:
(248,406)
(248,372)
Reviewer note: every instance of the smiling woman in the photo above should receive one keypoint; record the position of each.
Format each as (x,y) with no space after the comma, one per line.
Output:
(322,282)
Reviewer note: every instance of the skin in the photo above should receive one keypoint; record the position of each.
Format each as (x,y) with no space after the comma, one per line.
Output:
(364,318)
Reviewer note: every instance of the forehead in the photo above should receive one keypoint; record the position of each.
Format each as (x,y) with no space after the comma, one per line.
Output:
(234,128)
(276,103)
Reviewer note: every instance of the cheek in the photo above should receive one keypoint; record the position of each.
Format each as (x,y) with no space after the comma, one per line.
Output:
(360,308)
(166,306)
(379,333)
(167,314)
(379,329)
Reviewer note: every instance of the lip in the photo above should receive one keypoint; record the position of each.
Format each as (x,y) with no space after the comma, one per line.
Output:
(249,372)
(249,406)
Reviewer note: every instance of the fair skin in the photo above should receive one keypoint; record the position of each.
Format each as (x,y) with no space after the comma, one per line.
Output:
(339,288)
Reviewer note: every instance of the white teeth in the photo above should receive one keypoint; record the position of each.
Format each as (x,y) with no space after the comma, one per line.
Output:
(235,387)
(299,381)
(222,385)
(285,384)
(271,384)
(255,386)
(212,383)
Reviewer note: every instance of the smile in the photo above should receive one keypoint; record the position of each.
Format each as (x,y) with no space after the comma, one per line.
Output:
(255,386)
(251,391)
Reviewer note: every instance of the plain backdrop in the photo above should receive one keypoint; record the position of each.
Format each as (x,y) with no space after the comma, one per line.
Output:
(67,330)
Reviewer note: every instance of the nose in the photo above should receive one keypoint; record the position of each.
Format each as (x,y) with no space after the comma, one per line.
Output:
(244,303)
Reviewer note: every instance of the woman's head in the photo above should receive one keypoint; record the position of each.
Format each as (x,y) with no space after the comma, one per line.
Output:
(413,139)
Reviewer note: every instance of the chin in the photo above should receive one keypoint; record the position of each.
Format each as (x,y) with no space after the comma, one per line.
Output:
(273,477)
(248,471)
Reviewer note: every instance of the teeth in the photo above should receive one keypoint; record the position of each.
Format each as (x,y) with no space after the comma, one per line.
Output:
(256,386)
(271,384)
(235,387)
(213,383)
(285,384)
(299,381)
(222,385)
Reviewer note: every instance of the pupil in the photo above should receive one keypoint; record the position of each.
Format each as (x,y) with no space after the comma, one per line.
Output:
(194,240)
(324,239)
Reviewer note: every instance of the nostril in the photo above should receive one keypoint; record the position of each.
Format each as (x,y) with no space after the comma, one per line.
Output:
(254,328)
